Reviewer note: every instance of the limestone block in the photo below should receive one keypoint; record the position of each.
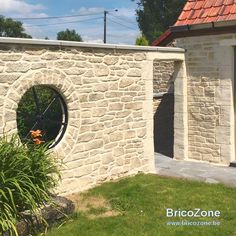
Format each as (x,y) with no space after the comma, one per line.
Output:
(109,60)
(93,145)
(86,114)
(101,70)
(127,99)
(109,94)
(89,73)
(139,124)
(84,128)
(75,71)
(116,136)
(102,103)
(226,154)
(116,106)
(83,170)
(88,121)
(117,122)
(10,57)
(134,106)
(17,67)
(121,73)
(123,114)
(38,65)
(95,60)
(195,155)
(90,80)
(120,161)
(130,134)
(65,64)
(222,135)
(140,57)
(86,137)
(96,127)
(78,57)
(134,73)
(99,112)
(101,88)
(107,158)
(51,56)
(117,152)
(210,91)
(208,110)
(74,165)
(116,171)
(125,82)
(223,95)
(135,162)
(95,96)
(141,133)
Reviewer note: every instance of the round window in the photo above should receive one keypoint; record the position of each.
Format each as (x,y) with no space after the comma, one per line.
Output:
(42,115)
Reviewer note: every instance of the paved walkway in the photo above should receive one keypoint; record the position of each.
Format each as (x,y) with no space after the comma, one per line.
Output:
(195,170)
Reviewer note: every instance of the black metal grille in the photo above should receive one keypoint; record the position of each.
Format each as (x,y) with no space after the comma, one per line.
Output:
(42,108)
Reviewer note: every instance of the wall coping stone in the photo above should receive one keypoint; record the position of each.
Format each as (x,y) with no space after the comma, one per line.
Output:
(6,40)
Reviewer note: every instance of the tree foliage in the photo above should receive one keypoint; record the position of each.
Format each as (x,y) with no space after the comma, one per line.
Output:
(141,41)
(69,35)
(155,16)
(11,28)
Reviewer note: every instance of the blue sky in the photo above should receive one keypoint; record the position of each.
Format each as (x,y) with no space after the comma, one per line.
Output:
(122,27)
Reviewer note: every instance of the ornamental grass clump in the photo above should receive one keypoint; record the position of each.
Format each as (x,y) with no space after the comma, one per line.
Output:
(27,175)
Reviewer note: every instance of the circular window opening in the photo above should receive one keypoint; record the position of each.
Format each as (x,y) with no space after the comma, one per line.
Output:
(42,110)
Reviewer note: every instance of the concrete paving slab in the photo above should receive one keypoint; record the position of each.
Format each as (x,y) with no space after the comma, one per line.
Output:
(193,170)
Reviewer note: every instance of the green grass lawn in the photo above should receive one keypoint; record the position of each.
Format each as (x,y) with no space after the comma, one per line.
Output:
(137,206)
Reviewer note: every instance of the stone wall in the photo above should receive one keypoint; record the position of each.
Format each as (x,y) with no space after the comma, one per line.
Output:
(210,98)
(162,79)
(105,95)
(163,76)
(163,107)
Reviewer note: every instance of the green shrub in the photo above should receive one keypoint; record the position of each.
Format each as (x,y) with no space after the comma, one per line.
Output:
(141,41)
(27,174)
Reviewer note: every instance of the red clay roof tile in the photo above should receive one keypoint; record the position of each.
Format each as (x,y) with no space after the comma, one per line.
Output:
(208,4)
(233,9)
(219,3)
(200,12)
(228,2)
(227,10)
(206,11)
(189,5)
(198,5)
(232,17)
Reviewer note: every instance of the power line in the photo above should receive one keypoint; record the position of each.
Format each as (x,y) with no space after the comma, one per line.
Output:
(63,23)
(126,20)
(55,17)
(121,24)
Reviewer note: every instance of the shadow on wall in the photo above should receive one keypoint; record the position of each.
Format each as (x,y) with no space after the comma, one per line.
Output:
(164,126)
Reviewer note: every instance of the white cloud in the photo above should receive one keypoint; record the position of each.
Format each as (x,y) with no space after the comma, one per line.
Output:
(89,39)
(34,31)
(90,10)
(125,12)
(20,8)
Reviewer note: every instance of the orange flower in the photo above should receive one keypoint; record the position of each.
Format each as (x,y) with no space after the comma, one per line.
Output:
(38,141)
(36,133)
